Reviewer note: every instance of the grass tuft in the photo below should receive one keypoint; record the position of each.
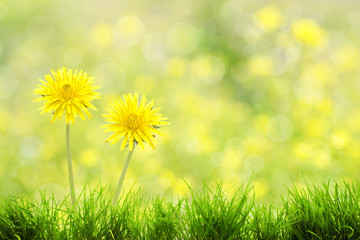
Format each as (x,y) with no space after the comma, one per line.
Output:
(326,212)
(329,211)
(211,215)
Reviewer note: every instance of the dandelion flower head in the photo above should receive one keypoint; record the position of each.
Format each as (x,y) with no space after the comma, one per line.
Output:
(133,122)
(67,92)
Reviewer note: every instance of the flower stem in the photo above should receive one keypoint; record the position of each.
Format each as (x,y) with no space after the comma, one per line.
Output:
(121,179)
(70,169)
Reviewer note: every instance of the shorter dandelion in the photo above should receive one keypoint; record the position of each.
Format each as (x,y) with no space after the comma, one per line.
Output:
(135,123)
(67,92)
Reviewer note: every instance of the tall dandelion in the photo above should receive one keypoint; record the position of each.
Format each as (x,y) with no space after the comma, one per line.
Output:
(134,123)
(67,92)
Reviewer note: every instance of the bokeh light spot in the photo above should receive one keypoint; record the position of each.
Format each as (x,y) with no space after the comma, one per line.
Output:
(208,68)
(312,153)
(253,164)
(261,188)
(145,83)
(309,32)
(237,145)
(153,47)
(340,139)
(346,57)
(282,59)
(89,157)
(261,66)
(321,70)
(217,159)
(129,30)
(269,18)
(309,89)
(176,67)
(230,10)
(29,150)
(103,34)
(279,128)
(317,127)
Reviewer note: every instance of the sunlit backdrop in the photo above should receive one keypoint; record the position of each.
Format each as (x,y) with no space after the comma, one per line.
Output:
(269,88)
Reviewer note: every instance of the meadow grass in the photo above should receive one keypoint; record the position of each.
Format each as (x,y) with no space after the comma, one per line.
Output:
(329,211)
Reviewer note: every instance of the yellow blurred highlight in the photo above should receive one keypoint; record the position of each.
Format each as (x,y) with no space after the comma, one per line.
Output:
(102,34)
(151,165)
(353,121)
(317,128)
(129,30)
(312,153)
(279,128)
(309,32)
(230,187)
(340,139)
(181,188)
(302,150)
(176,67)
(269,18)
(260,122)
(208,68)
(144,83)
(325,107)
(232,158)
(199,134)
(89,157)
(4,120)
(261,188)
(353,151)
(261,66)
(167,179)
(321,70)
(285,39)
(346,57)
(309,89)
(258,143)
(321,159)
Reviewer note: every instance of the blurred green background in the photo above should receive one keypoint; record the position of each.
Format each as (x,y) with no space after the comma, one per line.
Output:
(270,87)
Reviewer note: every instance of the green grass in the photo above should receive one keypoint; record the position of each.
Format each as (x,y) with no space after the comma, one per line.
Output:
(329,211)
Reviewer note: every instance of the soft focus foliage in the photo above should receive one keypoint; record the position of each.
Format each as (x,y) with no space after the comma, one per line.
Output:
(270,88)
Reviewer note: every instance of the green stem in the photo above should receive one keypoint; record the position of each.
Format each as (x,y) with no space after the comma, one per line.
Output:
(121,179)
(70,169)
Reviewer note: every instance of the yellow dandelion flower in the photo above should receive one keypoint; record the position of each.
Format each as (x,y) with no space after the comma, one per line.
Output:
(133,121)
(67,91)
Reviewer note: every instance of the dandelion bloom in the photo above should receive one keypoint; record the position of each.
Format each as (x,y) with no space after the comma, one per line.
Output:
(67,91)
(134,122)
